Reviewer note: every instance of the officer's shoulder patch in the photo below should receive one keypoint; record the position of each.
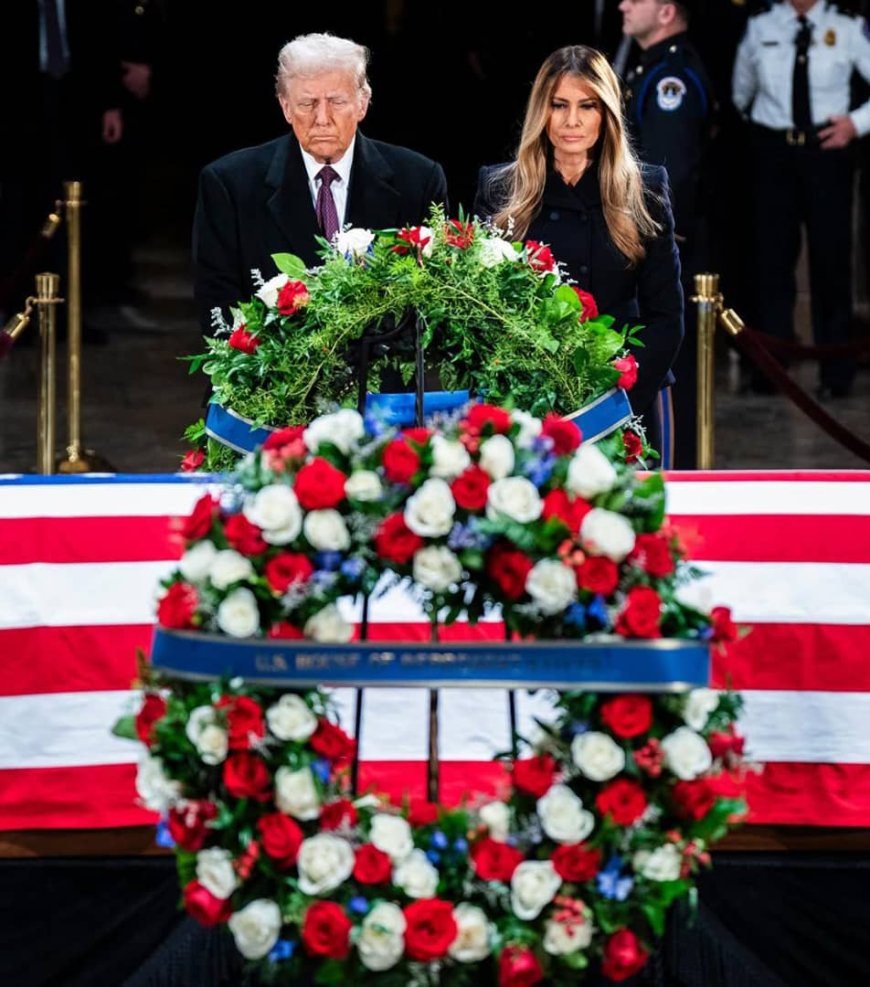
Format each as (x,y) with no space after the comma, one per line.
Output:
(670,92)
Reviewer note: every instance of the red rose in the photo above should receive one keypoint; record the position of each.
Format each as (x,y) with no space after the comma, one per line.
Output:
(319,485)
(418,434)
(481,416)
(245,722)
(569,510)
(326,930)
(204,907)
(629,715)
(293,296)
(187,823)
(623,800)
(244,341)
(641,615)
(401,462)
(534,775)
(470,489)
(519,967)
(590,306)
(243,536)
(372,866)
(287,438)
(153,710)
(495,861)
(246,776)
(598,574)
(284,631)
(724,628)
(193,459)
(334,815)
(728,742)
(540,256)
(623,956)
(509,568)
(199,523)
(287,568)
(576,862)
(281,838)
(692,799)
(633,446)
(422,813)
(653,555)
(395,541)
(332,742)
(566,435)
(627,367)
(431,929)
(459,234)
(178,607)
(244,864)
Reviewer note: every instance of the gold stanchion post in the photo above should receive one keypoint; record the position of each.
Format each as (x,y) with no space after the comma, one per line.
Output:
(47,287)
(709,301)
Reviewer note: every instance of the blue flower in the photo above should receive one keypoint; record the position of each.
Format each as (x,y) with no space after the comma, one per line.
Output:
(329,561)
(575,616)
(460,845)
(353,568)
(439,840)
(540,470)
(610,884)
(358,904)
(163,837)
(597,610)
(433,856)
(322,769)
(282,950)
(323,579)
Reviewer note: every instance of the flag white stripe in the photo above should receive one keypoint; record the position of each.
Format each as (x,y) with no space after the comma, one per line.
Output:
(100,499)
(819,498)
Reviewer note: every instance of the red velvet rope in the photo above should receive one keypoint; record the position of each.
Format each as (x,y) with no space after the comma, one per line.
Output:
(808,352)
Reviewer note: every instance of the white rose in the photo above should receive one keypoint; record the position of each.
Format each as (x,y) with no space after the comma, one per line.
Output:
(326,531)
(363,485)
(496,816)
(229,567)
(552,585)
(276,510)
(449,458)
(197,561)
(533,885)
(354,242)
(416,876)
(296,794)
(662,864)
(530,428)
(381,942)
(494,250)
(473,941)
(429,512)
(256,928)
(392,835)
(686,753)
(271,289)
(215,871)
(563,817)
(238,615)
(426,234)
(606,533)
(597,755)
(342,429)
(700,703)
(291,718)
(590,472)
(515,498)
(207,735)
(324,862)
(562,938)
(436,568)
(156,791)
(328,626)
(497,456)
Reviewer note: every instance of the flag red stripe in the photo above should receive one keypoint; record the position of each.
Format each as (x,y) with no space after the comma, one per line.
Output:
(810,794)
(88,539)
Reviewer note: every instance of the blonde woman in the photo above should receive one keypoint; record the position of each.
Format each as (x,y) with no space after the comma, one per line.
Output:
(576,186)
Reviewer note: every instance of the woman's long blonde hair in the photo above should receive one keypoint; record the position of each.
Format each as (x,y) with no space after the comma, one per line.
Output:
(521,184)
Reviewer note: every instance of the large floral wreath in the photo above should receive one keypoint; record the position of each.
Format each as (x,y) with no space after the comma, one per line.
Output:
(603,824)
(496,319)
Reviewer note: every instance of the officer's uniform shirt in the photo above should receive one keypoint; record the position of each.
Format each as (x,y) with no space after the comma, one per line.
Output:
(668,107)
(763,69)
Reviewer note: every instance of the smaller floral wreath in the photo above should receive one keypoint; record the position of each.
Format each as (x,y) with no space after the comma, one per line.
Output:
(498,321)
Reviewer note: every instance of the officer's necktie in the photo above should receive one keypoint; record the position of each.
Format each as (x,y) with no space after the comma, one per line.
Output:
(56,62)
(327,214)
(800,92)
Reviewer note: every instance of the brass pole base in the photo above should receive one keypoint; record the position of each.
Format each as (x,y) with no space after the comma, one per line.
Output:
(86,462)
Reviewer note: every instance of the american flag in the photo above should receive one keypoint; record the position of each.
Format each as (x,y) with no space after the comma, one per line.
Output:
(81,558)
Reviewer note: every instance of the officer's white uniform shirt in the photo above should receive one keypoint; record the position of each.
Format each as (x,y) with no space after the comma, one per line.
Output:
(764,65)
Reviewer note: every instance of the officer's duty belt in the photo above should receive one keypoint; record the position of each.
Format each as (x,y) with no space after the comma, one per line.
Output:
(791,136)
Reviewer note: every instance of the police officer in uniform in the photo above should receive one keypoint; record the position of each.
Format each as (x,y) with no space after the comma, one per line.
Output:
(669,107)
(792,81)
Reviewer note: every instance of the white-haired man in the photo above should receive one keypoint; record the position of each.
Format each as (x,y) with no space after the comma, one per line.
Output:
(313,181)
